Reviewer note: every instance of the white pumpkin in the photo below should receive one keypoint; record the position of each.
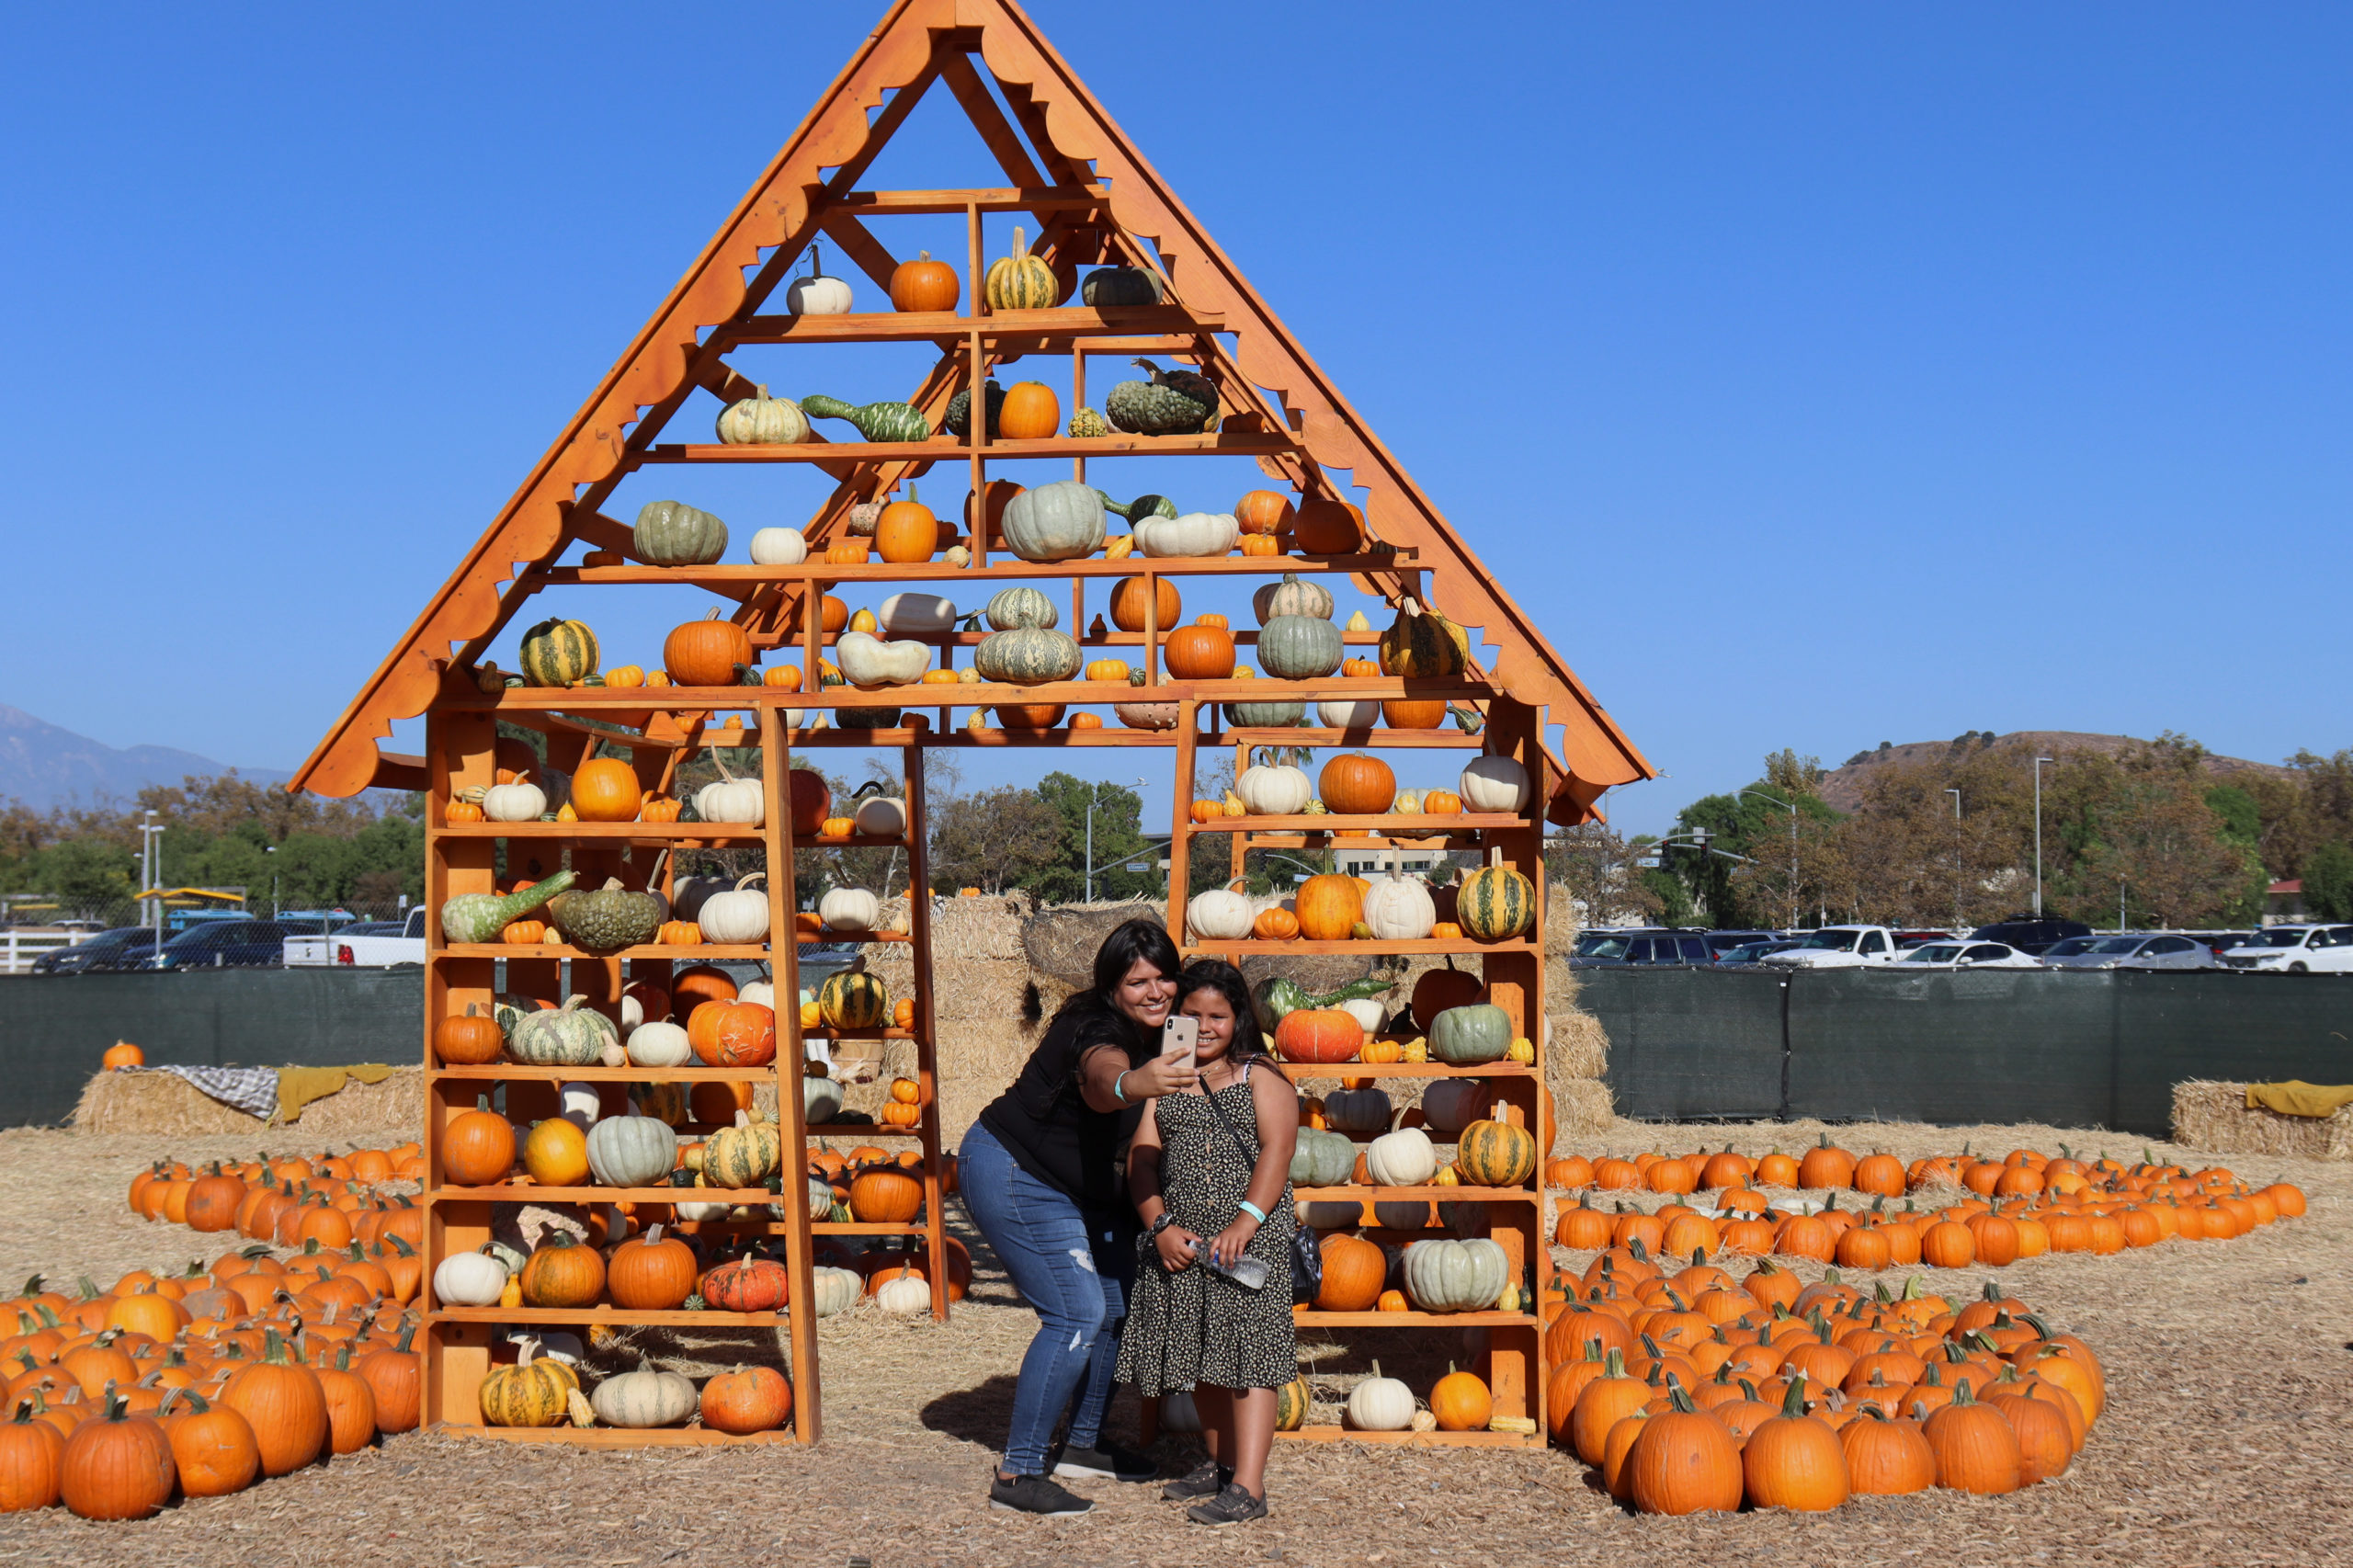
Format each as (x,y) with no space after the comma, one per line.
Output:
(1380,1405)
(880,816)
(1219,916)
(1274,790)
(659,1045)
(817,295)
(1404,1156)
(903,1294)
(732,800)
(701,1211)
(868,662)
(759,991)
(913,614)
(647,1397)
(523,802)
(762,421)
(1357,1110)
(1494,784)
(469,1279)
(1369,1014)
(1194,534)
(821,1100)
(577,1104)
(738,916)
(850,909)
(835,1290)
(778,547)
(1348,715)
(1398,907)
(1453,1104)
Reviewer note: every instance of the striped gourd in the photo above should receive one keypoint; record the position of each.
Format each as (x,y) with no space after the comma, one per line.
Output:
(559,653)
(854,999)
(665,1102)
(1034,655)
(1495,905)
(1494,1154)
(1423,642)
(1291,1401)
(875,421)
(742,1156)
(532,1393)
(1020,281)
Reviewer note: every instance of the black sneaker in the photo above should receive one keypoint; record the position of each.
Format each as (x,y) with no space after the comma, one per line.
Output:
(1206,1480)
(1231,1506)
(1035,1495)
(1107,1461)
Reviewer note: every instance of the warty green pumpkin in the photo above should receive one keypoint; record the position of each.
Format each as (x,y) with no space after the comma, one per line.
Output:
(1031,657)
(1173,403)
(958,418)
(558,653)
(1112,288)
(480,917)
(875,421)
(1087,424)
(606,919)
(671,533)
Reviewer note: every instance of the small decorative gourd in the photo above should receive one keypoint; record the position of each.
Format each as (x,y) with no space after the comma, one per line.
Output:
(762,421)
(1020,282)
(875,421)
(817,295)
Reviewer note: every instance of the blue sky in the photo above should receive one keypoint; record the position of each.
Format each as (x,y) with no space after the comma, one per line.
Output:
(1817,375)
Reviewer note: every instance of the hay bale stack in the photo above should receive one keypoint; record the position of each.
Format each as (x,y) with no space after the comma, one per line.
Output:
(164,1105)
(2214,1116)
(985,1000)
(1061,942)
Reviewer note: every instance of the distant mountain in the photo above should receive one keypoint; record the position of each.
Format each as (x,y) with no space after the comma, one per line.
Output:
(1844,787)
(44,765)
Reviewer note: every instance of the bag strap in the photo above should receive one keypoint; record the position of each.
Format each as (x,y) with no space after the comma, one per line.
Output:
(1227,1122)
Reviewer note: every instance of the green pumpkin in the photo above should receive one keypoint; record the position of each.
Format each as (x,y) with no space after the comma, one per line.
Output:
(959,411)
(739,1158)
(1292,1402)
(1455,1277)
(1111,288)
(1292,596)
(558,653)
(1011,609)
(1468,1035)
(867,718)
(671,533)
(1061,521)
(1322,1159)
(1298,647)
(569,1036)
(1031,657)
(608,919)
(1265,715)
(1174,402)
(853,999)
(875,421)
(1495,905)
(481,916)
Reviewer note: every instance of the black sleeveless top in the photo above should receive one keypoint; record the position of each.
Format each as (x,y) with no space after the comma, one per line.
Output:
(1045,1123)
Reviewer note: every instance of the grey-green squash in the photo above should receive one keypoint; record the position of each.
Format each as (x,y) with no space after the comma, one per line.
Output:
(481,916)
(1032,655)
(958,418)
(1061,521)
(606,919)
(1322,1159)
(1011,609)
(569,1036)
(875,421)
(1265,715)
(1471,1034)
(1292,596)
(1109,288)
(558,653)
(1173,403)
(1455,1277)
(671,533)
(1298,647)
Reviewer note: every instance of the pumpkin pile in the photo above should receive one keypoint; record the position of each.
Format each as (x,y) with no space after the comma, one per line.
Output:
(1695,1391)
(2022,1206)
(331,1202)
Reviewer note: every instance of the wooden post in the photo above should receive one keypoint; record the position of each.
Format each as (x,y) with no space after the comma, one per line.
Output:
(926,1031)
(784,970)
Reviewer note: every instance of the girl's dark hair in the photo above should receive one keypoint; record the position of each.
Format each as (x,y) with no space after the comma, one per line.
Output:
(1216,975)
(1138,938)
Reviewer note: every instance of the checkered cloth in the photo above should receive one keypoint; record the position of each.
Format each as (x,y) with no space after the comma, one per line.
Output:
(253,1090)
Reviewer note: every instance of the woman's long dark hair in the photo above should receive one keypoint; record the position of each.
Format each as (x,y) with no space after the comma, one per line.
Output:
(1216,975)
(1138,938)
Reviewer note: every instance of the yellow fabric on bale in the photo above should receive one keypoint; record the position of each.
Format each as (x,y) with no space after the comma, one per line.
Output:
(297,1086)
(2296,1098)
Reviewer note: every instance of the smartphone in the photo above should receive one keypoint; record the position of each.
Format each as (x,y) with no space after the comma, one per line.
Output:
(1181,1035)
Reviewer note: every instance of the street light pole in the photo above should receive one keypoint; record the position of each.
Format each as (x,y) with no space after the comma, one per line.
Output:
(1789,807)
(2037,834)
(1094,794)
(1956,803)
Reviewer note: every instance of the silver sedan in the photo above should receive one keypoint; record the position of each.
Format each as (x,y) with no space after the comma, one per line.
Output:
(2129,951)
(1962,955)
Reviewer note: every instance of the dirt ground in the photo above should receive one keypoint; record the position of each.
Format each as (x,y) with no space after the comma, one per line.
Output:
(2228,1437)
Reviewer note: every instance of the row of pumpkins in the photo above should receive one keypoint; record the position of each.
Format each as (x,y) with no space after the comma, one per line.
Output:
(1017,281)
(1358,784)
(1024,646)
(607,790)
(1493,903)
(1458,1402)
(1695,1392)
(737,1029)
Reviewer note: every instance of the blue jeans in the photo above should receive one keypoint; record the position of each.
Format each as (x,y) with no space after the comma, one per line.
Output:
(1074,1278)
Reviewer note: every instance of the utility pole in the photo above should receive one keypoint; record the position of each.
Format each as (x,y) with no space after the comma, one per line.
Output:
(1094,793)
(1789,807)
(1956,803)
(2037,834)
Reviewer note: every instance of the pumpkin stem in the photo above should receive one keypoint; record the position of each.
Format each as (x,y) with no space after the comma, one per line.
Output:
(1795,1403)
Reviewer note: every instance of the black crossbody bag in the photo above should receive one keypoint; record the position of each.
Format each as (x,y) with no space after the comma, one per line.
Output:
(1306,1260)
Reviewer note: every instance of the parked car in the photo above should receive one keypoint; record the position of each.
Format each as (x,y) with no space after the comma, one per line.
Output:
(2296,949)
(2220,942)
(1721,942)
(371,944)
(124,947)
(1749,955)
(2129,951)
(1907,940)
(224,944)
(2030,933)
(1618,949)
(1838,947)
(1964,955)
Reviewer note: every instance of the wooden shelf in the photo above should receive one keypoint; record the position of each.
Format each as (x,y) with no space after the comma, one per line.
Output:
(756,952)
(1461,946)
(655,833)
(919,326)
(952,449)
(1000,569)
(605,1313)
(1295,1071)
(1378,738)
(1327,823)
(525,1073)
(974,694)
(1454,1439)
(862,1228)
(853,1130)
(506,1194)
(618,1436)
(1415,1195)
(1313,1319)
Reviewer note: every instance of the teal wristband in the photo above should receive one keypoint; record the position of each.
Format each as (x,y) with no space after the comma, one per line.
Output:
(1118,1092)
(1254,1211)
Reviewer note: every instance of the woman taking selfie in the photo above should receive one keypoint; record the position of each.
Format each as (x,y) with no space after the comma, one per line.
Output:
(1041,1174)
(1210,1171)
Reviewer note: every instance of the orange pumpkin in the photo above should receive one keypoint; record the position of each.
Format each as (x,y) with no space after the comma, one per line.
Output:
(995,494)
(1328,907)
(1441,803)
(462,811)
(733,1034)
(1087,720)
(606,789)
(1275,926)
(1264,512)
(1128,605)
(1326,527)
(1199,652)
(924,284)
(1030,413)
(1414,714)
(1315,1034)
(1355,784)
(812,801)
(906,533)
(705,652)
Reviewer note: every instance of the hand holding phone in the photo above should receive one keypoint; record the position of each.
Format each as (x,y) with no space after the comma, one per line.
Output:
(1181,1037)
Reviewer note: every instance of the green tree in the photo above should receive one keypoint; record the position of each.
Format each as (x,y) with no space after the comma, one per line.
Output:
(2329,883)
(1119,839)
(994,840)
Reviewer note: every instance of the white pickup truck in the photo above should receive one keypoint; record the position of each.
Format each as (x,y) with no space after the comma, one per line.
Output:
(1836,946)
(357,948)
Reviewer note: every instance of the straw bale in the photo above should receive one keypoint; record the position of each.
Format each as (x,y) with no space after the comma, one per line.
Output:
(1314,971)
(1580,1049)
(1061,942)
(398,1101)
(1582,1108)
(164,1105)
(2214,1116)
(977,1061)
(979,968)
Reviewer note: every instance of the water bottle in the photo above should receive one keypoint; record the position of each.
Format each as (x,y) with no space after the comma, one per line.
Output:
(1248,1272)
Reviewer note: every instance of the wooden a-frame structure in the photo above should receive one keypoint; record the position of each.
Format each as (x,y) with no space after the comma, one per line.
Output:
(1093,200)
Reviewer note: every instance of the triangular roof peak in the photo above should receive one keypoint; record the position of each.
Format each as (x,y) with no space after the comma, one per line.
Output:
(1094,198)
